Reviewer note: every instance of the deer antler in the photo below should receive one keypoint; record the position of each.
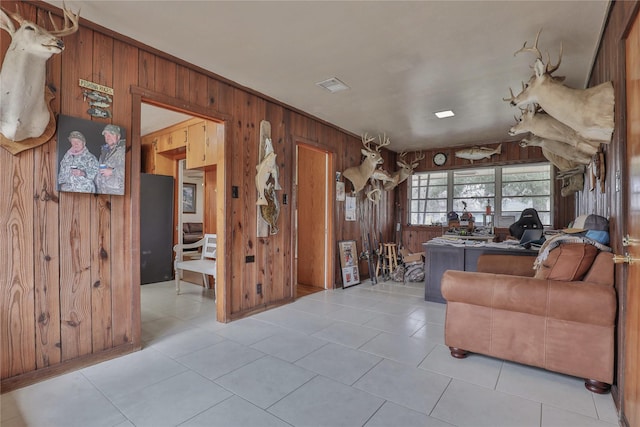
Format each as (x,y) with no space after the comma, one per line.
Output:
(512,96)
(384,141)
(70,23)
(418,156)
(533,49)
(366,140)
(552,68)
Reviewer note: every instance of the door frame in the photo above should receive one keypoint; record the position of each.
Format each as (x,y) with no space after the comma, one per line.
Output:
(628,386)
(330,237)
(141,95)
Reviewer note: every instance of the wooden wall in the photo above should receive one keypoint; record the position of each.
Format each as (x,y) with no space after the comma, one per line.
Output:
(70,261)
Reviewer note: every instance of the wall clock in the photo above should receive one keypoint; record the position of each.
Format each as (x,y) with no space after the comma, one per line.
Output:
(439,159)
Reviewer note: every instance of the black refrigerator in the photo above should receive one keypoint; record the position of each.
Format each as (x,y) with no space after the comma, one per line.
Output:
(156,228)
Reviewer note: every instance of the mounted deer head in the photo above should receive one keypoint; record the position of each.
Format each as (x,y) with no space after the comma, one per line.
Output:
(405,171)
(359,175)
(557,148)
(588,111)
(24,112)
(547,127)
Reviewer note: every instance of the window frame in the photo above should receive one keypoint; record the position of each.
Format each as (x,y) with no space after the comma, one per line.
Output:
(496,199)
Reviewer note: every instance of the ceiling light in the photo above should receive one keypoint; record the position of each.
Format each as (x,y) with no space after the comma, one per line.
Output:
(443,114)
(333,85)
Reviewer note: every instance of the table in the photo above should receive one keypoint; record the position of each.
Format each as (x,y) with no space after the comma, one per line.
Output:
(440,257)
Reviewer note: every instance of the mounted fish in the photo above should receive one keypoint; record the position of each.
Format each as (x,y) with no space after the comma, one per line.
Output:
(478,153)
(267,184)
(271,210)
(267,169)
(26,118)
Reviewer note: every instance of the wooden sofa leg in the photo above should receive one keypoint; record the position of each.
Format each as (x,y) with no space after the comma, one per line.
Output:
(458,353)
(597,386)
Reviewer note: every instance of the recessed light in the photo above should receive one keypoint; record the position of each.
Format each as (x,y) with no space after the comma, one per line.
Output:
(333,85)
(444,114)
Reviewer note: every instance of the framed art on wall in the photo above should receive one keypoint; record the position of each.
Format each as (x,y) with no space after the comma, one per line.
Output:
(349,262)
(91,156)
(189,198)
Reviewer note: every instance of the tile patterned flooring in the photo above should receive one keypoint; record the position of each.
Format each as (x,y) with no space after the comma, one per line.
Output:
(362,356)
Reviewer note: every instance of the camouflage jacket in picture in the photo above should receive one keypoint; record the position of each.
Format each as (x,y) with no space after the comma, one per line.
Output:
(113,158)
(86,163)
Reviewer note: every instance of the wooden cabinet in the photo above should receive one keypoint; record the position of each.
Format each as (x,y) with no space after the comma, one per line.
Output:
(196,147)
(203,146)
(198,139)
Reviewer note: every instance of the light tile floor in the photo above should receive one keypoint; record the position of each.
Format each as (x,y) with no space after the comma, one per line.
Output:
(362,356)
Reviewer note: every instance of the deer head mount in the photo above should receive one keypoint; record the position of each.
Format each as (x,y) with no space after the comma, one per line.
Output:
(26,120)
(405,171)
(588,111)
(547,127)
(359,175)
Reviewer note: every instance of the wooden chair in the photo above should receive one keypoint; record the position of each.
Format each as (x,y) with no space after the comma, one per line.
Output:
(206,265)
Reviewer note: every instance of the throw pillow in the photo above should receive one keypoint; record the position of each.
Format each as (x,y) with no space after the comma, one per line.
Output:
(568,262)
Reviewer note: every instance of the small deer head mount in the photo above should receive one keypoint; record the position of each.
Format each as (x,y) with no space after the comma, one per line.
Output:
(26,119)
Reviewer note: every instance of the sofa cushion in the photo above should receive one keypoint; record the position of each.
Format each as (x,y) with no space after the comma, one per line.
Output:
(569,262)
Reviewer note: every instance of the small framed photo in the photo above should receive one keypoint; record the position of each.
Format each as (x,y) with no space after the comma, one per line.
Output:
(189,198)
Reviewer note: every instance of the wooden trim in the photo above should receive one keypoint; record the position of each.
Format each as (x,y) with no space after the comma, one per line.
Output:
(32,377)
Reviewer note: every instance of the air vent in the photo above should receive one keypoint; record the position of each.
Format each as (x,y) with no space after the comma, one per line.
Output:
(333,85)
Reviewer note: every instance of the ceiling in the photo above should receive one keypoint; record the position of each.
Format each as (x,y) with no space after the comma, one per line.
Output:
(403,60)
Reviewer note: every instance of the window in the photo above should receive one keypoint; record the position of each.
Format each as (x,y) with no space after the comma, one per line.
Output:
(508,189)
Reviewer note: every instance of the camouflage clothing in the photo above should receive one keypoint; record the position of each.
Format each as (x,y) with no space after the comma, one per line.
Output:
(112,158)
(83,161)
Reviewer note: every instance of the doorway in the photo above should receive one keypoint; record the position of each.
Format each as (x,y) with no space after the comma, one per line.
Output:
(314,226)
(204,151)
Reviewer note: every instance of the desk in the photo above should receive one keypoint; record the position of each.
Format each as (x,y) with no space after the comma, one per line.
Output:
(479,237)
(441,257)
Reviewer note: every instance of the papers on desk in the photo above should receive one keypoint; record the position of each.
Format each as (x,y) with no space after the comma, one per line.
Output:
(452,241)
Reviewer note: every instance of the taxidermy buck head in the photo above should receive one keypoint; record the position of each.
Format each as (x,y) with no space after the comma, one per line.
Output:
(405,171)
(547,127)
(24,113)
(588,111)
(359,175)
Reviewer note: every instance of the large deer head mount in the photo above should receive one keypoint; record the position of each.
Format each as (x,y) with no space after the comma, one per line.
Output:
(547,127)
(359,175)
(588,111)
(26,119)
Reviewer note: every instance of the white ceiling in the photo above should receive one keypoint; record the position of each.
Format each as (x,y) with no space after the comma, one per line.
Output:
(404,60)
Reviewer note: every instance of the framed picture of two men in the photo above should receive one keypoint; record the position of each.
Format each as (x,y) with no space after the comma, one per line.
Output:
(91,156)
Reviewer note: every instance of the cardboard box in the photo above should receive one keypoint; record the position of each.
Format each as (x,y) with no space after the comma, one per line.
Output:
(408,257)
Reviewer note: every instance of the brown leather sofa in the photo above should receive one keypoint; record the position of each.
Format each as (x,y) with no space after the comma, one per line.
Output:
(565,326)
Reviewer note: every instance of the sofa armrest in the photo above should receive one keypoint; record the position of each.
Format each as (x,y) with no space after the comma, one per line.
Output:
(514,265)
(569,301)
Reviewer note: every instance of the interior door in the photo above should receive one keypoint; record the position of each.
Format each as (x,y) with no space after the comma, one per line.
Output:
(313,208)
(631,345)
